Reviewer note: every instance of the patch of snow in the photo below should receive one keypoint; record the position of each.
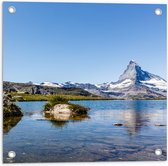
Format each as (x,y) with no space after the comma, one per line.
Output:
(36,84)
(50,84)
(102,85)
(122,84)
(155,83)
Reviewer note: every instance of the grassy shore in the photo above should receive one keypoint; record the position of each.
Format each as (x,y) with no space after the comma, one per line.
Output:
(39,97)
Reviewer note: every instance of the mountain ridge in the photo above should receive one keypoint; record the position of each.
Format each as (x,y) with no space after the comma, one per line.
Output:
(133,83)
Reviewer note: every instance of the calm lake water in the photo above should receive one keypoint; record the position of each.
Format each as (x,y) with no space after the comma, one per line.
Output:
(94,138)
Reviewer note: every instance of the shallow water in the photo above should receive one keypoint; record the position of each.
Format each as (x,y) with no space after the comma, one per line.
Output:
(94,138)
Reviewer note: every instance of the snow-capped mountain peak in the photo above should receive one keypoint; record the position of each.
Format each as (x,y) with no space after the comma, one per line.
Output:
(132,62)
(134,72)
(133,83)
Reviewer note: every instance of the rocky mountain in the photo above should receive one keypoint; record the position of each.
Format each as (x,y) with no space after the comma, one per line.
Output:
(134,83)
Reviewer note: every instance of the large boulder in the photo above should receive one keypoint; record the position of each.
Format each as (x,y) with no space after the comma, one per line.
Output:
(60,112)
(66,111)
(10,109)
(61,109)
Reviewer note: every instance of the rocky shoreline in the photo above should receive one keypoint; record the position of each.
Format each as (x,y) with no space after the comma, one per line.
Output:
(10,109)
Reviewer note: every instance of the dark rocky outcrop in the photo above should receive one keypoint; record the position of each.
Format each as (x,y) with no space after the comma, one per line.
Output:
(10,109)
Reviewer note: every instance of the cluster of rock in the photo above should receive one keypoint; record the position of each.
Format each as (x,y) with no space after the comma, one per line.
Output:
(64,112)
(10,109)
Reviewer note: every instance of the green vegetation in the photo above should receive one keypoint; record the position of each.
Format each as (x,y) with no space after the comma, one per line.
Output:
(55,100)
(78,109)
(75,108)
(39,97)
(30,97)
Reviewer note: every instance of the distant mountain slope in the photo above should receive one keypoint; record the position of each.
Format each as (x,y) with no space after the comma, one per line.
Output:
(30,88)
(134,83)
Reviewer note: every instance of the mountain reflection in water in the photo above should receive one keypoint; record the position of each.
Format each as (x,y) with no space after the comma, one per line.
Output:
(137,117)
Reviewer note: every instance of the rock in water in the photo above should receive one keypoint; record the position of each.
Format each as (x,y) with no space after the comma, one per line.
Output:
(10,109)
(160,125)
(60,112)
(61,109)
(65,111)
(118,124)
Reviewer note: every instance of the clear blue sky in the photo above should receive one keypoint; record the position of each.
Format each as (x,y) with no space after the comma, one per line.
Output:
(81,42)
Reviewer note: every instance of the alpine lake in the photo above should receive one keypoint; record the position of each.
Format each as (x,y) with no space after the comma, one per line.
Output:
(114,130)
